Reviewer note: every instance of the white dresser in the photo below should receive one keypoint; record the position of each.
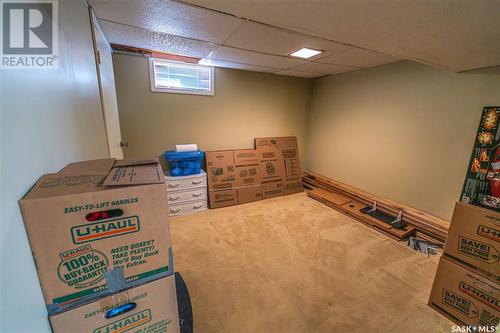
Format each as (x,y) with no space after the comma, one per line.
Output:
(186,194)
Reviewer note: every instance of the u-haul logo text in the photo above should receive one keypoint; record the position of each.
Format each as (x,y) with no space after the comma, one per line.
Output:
(489,232)
(126,323)
(479,295)
(104,229)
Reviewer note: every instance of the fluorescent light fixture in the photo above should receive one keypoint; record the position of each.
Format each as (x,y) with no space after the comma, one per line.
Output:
(305,53)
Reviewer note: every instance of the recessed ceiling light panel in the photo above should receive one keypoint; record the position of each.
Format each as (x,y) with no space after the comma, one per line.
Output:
(305,53)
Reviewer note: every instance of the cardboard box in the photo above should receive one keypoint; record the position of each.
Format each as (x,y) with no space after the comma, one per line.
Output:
(246,157)
(270,143)
(156,311)
(288,149)
(83,233)
(249,193)
(474,238)
(247,175)
(222,197)
(272,189)
(291,186)
(290,154)
(272,166)
(274,163)
(464,296)
(220,168)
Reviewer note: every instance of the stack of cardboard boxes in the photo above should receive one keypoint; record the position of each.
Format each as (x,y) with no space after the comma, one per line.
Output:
(287,152)
(100,239)
(239,176)
(466,288)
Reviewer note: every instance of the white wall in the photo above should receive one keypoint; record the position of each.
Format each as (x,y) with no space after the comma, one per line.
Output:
(48,118)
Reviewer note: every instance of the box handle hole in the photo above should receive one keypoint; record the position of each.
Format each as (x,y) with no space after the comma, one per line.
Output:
(120,310)
(103,214)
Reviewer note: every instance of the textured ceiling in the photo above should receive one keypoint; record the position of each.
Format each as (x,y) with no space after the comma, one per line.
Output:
(455,34)
(259,35)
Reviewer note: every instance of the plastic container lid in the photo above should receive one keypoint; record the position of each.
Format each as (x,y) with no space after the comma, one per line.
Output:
(172,155)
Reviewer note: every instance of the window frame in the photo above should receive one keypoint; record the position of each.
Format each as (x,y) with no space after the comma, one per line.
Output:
(152,79)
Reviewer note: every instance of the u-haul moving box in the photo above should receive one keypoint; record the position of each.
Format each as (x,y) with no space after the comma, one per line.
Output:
(220,168)
(474,238)
(247,171)
(233,177)
(153,310)
(272,166)
(222,197)
(287,152)
(465,297)
(246,157)
(239,176)
(87,225)
(249,193)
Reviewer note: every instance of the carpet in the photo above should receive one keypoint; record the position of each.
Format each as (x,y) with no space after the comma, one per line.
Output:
(291,264)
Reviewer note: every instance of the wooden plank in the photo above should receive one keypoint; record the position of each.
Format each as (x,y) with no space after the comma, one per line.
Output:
(338,208)
(388,204)
(154,54)
(335,198)
(352,208)
(428,239)
(435,237)
(424,222)
(355,207)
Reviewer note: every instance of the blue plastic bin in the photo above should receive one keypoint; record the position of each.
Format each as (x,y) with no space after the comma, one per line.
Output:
(184,163)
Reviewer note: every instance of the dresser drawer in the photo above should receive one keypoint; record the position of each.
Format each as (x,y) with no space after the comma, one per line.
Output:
(187,207)
(181,183)
(186,195)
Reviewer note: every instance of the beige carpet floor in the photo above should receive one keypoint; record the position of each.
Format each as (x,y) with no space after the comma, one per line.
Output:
(291,264)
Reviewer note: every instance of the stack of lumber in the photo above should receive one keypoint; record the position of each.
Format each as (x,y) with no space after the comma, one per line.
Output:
(350,200)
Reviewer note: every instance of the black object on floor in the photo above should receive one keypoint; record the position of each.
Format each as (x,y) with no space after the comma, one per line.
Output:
(184,305)
(394,221)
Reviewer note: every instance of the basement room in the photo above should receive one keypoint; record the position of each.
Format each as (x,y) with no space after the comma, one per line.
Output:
(269,166)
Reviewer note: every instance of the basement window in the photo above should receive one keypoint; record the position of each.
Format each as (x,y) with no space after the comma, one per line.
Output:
(181,78)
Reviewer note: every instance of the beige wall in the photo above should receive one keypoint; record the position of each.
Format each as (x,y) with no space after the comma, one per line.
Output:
(404,131)
(246,105)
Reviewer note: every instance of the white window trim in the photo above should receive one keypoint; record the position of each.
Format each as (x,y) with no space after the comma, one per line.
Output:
(152,76)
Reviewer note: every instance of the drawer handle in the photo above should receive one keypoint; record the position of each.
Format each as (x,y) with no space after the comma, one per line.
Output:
(197,206)
(174,198)
(173,211)
(196,195)
(196,182)
(173,185)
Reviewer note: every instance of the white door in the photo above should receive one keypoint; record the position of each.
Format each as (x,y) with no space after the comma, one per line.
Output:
(107,89)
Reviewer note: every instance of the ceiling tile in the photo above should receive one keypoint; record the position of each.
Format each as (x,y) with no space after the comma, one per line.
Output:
(453,34)
(291,72)
(317,68)
(228,64)
(253,58)
(130,36)
(168,17)
(358,58)
(263,38)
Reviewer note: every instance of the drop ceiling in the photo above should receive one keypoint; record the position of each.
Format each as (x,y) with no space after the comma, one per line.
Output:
(257,35)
